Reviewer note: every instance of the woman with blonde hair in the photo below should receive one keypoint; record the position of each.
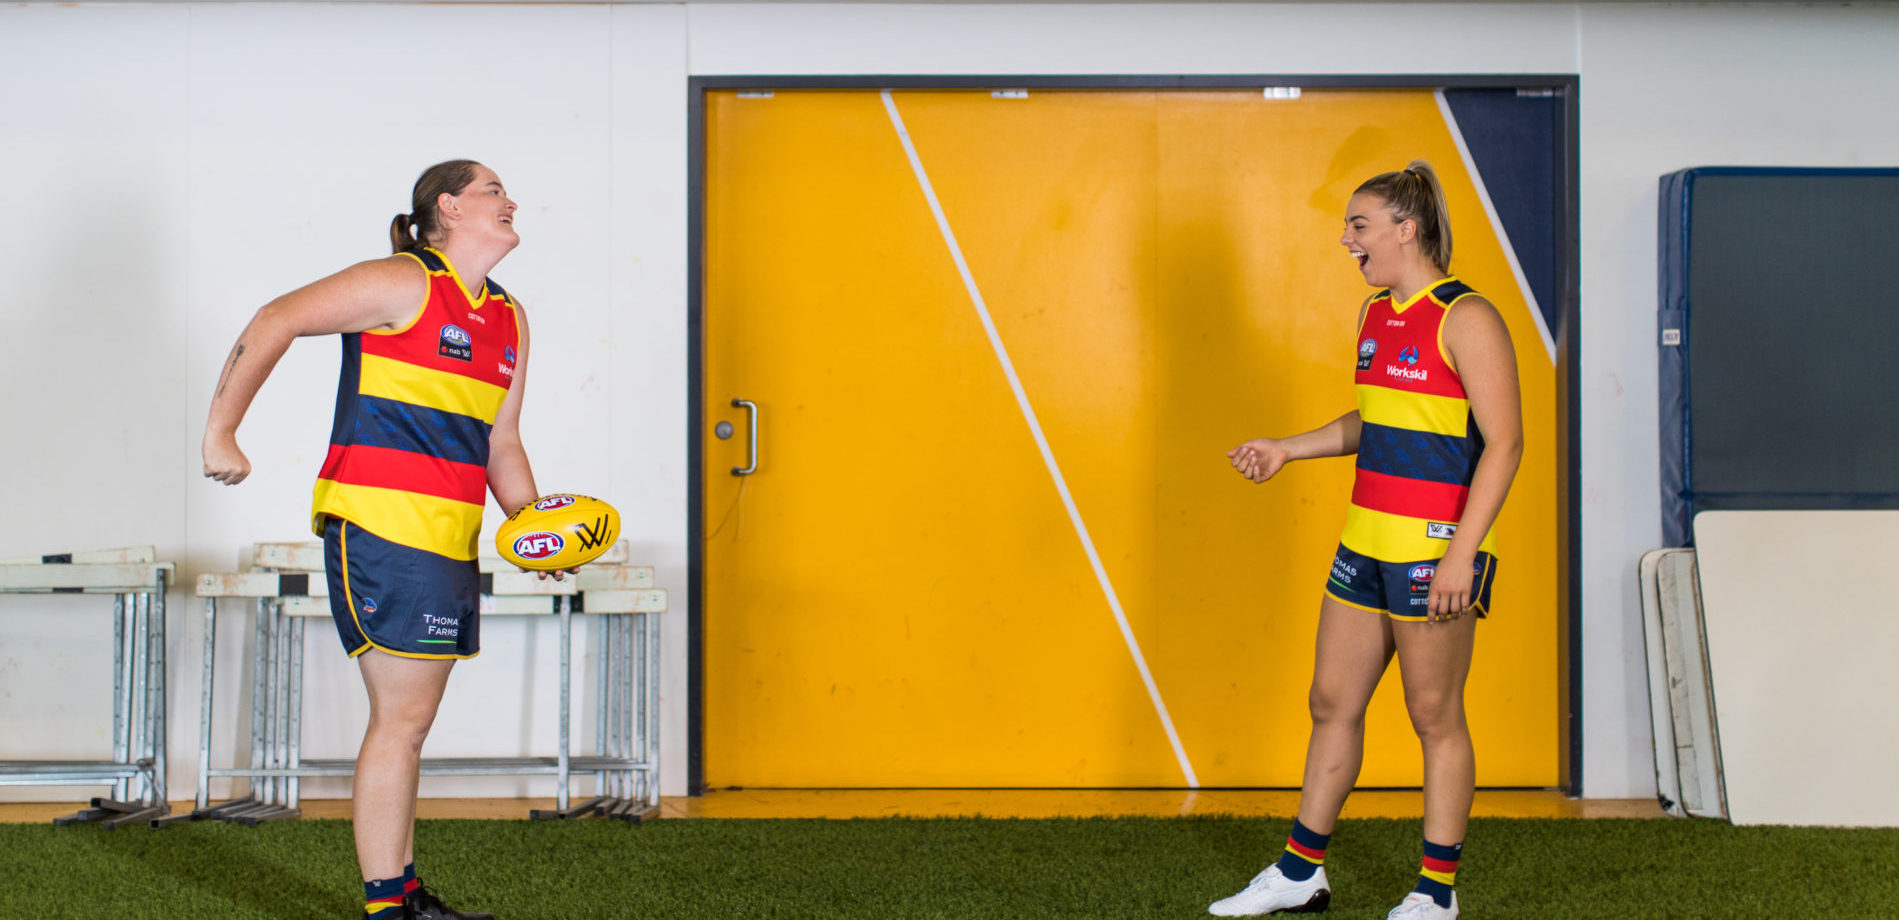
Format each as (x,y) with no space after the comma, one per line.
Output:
(1438,435)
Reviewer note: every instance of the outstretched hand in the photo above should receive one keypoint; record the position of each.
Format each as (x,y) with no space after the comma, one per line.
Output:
(1260,458)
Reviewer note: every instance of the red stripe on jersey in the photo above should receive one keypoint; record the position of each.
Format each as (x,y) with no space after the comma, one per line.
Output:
(1406,355)
(491,335)
(1414,498)
(406,471)
(1447,866)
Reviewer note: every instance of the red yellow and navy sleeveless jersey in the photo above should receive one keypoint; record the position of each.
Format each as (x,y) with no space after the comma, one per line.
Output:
(408,454)
(1418,443)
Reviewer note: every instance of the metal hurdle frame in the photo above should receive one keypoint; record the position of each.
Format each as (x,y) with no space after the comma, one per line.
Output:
(626,762)
(136,771)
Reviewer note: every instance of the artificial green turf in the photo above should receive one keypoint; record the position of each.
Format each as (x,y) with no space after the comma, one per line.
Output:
(951,868)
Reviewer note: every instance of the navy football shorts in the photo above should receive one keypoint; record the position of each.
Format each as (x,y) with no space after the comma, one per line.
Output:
(1400,589)
(399,599)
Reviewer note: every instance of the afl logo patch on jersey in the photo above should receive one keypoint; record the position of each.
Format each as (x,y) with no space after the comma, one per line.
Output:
(457,343)
(1366,350)
(538,545)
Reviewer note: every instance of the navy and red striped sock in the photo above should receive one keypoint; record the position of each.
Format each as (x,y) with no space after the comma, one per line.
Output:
(382,898)
(1437,877)
(1305,852)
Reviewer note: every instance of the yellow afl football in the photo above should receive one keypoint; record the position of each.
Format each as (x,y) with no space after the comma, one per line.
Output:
(558,531)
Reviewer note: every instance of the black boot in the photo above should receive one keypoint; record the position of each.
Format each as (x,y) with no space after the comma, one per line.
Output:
(422,904)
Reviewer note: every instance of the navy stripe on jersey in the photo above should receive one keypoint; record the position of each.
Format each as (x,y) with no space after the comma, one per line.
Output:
(1419,454)
(419,429)
(1449,290)
(348,382)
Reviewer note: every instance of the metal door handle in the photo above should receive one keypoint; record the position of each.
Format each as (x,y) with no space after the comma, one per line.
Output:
(751,448)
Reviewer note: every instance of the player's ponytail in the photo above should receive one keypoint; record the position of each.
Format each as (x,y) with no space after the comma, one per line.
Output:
(422,225)
(1414,194)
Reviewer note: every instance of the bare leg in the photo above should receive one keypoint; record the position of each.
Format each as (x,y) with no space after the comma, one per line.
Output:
(403,696)
(1434,662)
(1353,649)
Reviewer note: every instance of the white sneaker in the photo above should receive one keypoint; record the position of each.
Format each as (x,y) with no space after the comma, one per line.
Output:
(1420,906)
(1271,892)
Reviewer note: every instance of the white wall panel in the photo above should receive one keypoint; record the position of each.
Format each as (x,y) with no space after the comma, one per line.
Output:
(93,256)
(1665,88)
(173,166)
(1114,38)
(647,359)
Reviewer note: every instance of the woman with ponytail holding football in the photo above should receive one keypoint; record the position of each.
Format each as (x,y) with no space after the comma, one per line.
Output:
(1438,436)
(427,423)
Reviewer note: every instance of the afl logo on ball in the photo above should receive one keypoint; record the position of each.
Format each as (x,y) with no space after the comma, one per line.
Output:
(538,545)
(456,343)
(553,501)
(1366,349)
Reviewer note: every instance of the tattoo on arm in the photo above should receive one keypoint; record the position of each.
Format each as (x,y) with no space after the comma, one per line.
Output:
(236,353)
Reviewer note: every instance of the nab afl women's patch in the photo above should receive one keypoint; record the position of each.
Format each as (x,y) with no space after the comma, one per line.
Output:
(457,343)
(1366,350)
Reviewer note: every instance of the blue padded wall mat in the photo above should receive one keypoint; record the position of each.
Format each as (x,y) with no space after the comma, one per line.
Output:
(1779,350)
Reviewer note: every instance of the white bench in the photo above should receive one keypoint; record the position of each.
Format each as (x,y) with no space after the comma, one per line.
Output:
(136,771)
(289,587)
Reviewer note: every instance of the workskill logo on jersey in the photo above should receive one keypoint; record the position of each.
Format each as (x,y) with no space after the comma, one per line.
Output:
(1366,349)
(1409,358)
(507,361)
(456,343)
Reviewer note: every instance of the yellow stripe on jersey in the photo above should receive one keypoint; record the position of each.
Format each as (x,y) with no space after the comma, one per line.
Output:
(409,518)
(1442,351)
(1413,411)
(1396,538)
(409,383)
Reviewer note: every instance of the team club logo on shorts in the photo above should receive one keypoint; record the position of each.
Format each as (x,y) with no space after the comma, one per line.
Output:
(456,343)
(369,605)
(1366,350)
(538,545)
(553,501)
